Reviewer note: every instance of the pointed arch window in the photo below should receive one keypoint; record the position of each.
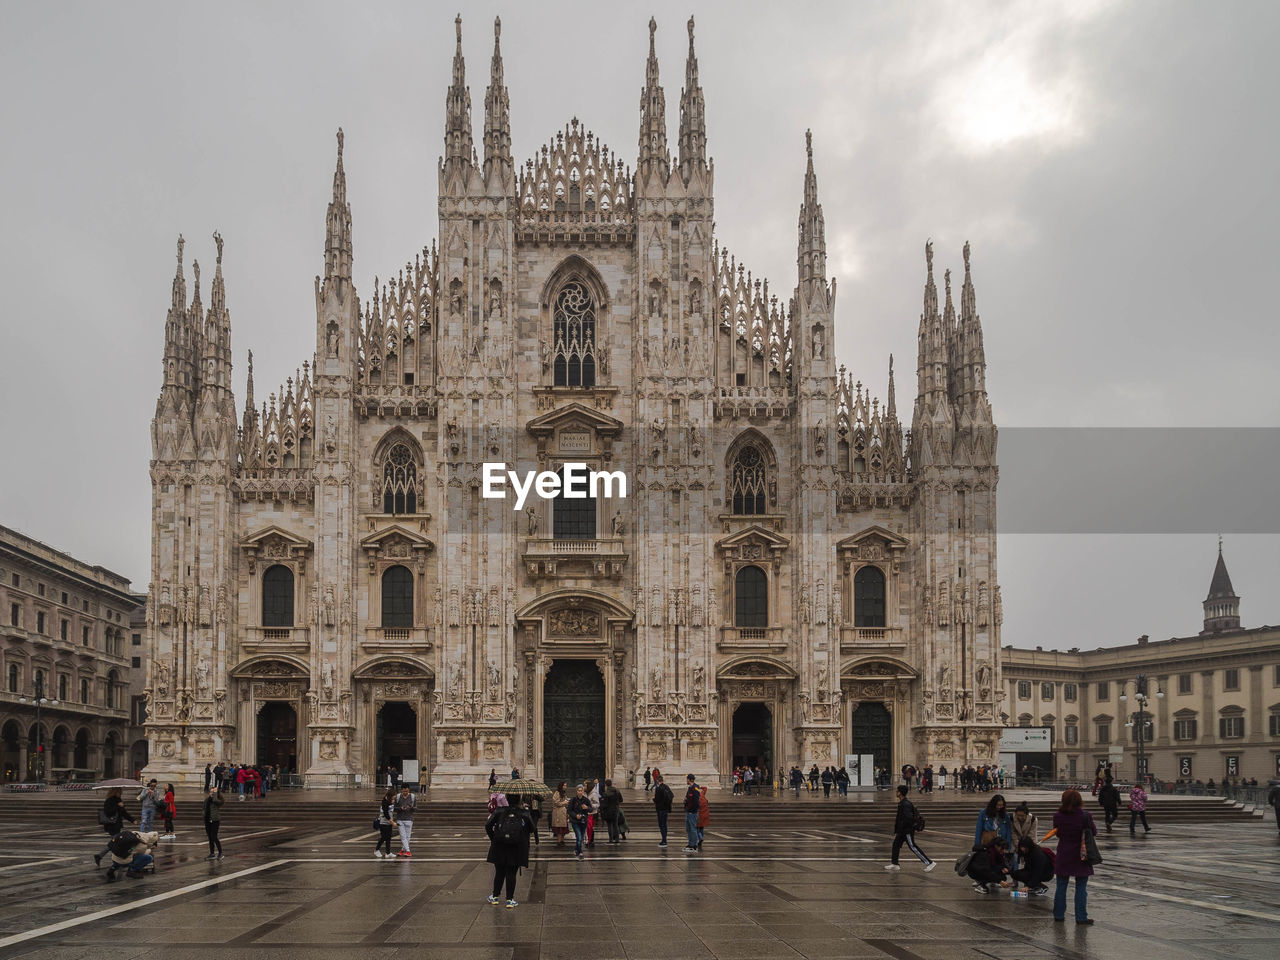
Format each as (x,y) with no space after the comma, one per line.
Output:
(400,480)
(397,597)
(868,597)
(573,518)
(574,336)
(277,596)
(748,482)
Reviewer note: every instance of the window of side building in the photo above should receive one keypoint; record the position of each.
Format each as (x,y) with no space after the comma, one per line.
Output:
(1024,689)
(1231,728)
(1103,691)
(1231,679)
(1069,692)
(1046,691)
(1184,683)
(1184,728)
(1102,732)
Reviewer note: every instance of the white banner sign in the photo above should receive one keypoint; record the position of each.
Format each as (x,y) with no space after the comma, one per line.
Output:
(1026,740)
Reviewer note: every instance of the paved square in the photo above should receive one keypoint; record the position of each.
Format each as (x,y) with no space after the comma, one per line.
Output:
(779,878)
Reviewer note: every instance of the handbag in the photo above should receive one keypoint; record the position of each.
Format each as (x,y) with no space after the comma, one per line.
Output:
(962,865)
(377,823)
(1089,848)
(988,837)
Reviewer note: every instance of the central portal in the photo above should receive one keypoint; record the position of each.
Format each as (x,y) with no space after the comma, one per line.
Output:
(278,735)
(573,734)
(872,730)
(397,735)
(753,736)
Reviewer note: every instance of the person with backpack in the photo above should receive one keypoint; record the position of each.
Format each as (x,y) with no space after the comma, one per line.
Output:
(663,798)
(579,811)
(213,822)
(989,865)
(905,824)
(403,806)
(386,823)
(1138,809)
(704,814)
(692,799)
(132,851)
(111,818)
(828,778)
(611,809)
(1036,868)
(648,780)
(509,828)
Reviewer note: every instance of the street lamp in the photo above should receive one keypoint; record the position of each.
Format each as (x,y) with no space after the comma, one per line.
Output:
(1140,718)
(39,702)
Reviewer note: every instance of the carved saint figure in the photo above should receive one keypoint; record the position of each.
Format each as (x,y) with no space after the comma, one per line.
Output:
(326,679)
(202,677)
(618,524)
(182,709)
(531,521)
(699,679)
(819,343)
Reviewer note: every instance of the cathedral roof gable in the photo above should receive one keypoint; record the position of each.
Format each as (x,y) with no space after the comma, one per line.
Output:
(267,533)
(574,412)
(754,534)
(894,541)
(394,532)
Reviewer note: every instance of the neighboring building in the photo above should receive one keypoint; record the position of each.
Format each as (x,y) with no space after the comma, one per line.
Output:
(139,653)
(791,579)
(1219,715)
(65,642)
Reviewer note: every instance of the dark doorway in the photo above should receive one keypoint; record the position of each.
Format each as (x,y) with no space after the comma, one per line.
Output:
(573,722)
(10,737)
(872,730)
(82,750)
(109,757)
(278,735)
(139,754)
(397,735)
(753,736)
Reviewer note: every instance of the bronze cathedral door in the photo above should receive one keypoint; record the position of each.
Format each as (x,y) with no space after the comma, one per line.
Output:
(573,723)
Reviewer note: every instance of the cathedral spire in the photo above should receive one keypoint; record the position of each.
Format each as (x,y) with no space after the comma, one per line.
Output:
(337,248)
(693,123)
(932,393)
(178,342)
(458,148)
(497,120)
(891,406)
(1221,606)
(970,364)
(811,254)
(653,117)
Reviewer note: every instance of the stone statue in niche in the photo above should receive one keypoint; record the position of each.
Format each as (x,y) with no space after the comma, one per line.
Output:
(618,525)
(331,339)
(819,343)
(202,677)
(531,521)
(326,679)
(655,685)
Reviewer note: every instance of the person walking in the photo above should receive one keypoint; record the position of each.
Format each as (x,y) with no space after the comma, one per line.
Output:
(111,817)
(579,811)
(1138,809)
(1273,798)
(611,810)
(208,776)
(148,800)
(828,778)
(212,822)
(692,797)
(404,805)
(796,779)
(493,777)
(170,810)
(1109,799)
(663,798)
(386,824)
(1071,821)
(648,779)
(560,813)
(904,831)
(842,781)
(813,779)
(509,828)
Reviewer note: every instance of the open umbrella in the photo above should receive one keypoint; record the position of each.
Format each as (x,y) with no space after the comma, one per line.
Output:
(523,787)
(122,782)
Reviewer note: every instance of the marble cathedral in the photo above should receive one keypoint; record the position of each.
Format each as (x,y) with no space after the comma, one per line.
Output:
(792,577)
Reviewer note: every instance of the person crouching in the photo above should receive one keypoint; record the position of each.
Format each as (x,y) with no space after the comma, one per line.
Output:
(1036,866)
(132,851)
(989,865)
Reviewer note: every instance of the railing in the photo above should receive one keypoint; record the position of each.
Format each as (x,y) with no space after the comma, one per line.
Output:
(854,636)
(396,634)
(563,547)
(379,637)
(277,633)
(752,637)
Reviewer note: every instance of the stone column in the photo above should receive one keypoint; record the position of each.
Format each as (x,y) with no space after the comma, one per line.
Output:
(1255,703)
(1209,718)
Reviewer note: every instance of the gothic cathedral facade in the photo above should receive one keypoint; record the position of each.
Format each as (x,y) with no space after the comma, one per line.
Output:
(791,578)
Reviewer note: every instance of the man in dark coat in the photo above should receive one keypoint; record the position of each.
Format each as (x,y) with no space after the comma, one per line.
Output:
(611,809)
(663,798)
(509,829)
(904,830)
(1109,797)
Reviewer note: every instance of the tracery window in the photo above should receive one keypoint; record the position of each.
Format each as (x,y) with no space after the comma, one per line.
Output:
(397,597)
(747,482)
(574,334)
(400,481)
(868,597)
(573,518)
(277,596)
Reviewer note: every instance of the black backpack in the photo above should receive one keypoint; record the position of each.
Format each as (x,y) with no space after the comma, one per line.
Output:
(509,826)
(918,823)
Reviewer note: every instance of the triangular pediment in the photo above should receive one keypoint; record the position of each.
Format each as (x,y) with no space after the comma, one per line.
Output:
(578,414)
(396,533)
(274,534)
(873,534)
(754,535)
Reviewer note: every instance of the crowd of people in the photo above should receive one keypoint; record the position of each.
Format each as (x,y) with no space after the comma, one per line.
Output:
(251,781)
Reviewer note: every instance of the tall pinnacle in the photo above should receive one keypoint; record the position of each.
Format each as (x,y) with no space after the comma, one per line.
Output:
(891,408)
(338,252)
(932,366)
(811,255)
(653,116)
(497,116)
(693,122)
(458,148)
(970,360)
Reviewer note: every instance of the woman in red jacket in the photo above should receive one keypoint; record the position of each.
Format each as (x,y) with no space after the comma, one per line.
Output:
(169,811)
(1071,821)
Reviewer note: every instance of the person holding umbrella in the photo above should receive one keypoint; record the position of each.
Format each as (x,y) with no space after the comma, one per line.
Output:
(508,828)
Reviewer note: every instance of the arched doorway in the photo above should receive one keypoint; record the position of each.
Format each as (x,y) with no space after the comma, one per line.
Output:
(871,730)
(61,750)
(138,755)
(109,746)
(753,736)
(37,743)
(81,758)
(573,722)
(278,734)
(10,738)
(397,735)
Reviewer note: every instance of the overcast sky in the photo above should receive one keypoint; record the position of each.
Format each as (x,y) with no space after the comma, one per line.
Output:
(1111,164)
